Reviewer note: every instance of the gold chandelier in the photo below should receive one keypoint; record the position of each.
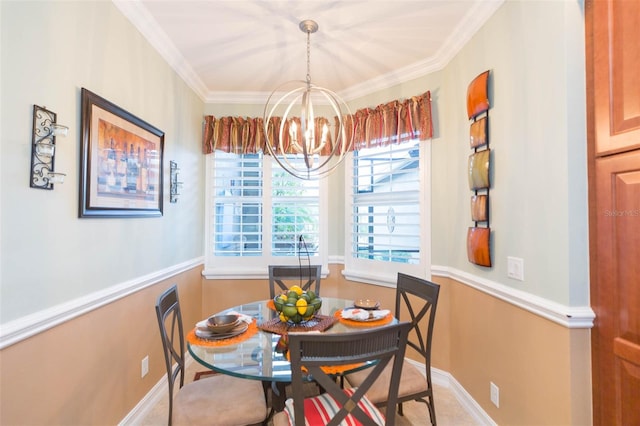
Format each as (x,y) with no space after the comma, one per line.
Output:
(304,146)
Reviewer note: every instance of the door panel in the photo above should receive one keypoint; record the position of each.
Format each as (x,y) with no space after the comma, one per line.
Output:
(618,272)
(612,36)
(616,37)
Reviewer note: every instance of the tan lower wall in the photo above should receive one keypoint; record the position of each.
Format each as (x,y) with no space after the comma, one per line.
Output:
(87,371)
(542,368)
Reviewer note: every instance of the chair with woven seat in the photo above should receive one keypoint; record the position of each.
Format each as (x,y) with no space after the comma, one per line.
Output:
(320,356)
(419,298)
(214,400)
(282,277)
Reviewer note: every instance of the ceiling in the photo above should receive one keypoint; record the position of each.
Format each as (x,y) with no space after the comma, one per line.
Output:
(239,51)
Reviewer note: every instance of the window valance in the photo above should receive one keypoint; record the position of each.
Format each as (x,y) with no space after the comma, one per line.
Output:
(391,122)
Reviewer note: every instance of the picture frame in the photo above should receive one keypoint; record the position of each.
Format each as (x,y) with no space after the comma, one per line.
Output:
(121,162)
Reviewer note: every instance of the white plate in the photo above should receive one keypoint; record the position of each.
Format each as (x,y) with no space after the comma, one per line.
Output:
(363,315)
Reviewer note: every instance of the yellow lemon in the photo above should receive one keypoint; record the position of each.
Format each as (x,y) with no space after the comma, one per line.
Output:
(301,304)
(297,289)
(283,317)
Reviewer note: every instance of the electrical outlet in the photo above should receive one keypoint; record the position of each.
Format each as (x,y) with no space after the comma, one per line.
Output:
(144,367)
(515,268)
(495,394)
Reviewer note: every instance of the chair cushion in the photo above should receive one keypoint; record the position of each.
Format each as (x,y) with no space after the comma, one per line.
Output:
(320,409)
(412,381)
(217,400)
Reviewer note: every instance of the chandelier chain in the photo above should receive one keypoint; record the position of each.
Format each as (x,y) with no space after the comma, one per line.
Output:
(308,57)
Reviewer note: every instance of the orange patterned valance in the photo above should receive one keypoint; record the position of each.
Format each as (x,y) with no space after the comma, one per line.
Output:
(392,122)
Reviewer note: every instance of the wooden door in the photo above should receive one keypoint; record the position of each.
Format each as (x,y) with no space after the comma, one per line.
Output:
(613,121)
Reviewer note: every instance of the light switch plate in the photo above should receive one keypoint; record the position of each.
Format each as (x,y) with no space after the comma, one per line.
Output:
(515,268)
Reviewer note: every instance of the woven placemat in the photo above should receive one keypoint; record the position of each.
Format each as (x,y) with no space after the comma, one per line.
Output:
(317,323)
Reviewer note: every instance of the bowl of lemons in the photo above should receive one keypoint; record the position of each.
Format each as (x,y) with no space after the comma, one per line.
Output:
(297,305)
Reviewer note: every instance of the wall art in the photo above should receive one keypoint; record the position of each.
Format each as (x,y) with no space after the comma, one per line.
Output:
(121,162)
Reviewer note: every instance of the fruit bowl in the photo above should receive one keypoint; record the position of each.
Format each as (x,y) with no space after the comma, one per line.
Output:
(297,306)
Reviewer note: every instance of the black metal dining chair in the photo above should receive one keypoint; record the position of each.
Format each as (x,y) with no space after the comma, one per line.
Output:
(220,399)
(318,357)
(419,297)
(282,277)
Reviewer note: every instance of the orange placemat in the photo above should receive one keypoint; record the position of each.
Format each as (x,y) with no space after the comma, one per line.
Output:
(317,323)
(381,321)
(195,340)
(333,369)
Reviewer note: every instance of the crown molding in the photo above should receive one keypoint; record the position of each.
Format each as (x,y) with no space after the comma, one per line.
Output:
(137,14)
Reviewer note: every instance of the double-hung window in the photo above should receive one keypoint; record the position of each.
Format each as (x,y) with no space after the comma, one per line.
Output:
(387,216)
(258,214)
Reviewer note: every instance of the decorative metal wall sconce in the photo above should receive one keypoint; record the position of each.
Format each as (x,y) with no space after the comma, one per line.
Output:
(174,185)
(43,146)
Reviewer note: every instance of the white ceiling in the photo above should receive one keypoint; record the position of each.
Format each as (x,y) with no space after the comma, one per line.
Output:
(240,50)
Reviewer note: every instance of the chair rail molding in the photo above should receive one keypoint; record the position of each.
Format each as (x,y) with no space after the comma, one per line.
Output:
(568,316)
(22,328)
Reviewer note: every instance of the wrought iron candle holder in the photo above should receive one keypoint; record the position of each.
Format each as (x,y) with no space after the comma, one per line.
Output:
(174,185)
(43,148)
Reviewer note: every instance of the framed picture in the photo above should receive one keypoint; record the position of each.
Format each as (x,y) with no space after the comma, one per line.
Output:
(121,162)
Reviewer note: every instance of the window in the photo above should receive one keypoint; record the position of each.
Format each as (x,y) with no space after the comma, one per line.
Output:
(387,214)
(258,215)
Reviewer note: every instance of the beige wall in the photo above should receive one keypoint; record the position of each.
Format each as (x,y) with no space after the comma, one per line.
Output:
(531,359)
(87,371)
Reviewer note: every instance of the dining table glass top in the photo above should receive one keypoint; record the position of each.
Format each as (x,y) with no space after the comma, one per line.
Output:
(259,356)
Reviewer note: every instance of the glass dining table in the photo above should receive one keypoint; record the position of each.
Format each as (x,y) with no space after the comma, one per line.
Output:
(259,356)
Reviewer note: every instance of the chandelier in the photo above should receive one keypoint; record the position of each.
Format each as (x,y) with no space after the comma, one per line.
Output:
(302,140)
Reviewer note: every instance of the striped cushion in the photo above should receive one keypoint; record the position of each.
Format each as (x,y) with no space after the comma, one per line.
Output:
(322,408)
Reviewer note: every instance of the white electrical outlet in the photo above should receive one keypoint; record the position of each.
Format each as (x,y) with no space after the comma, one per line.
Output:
(515,268)
(495,394)
(144,367)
